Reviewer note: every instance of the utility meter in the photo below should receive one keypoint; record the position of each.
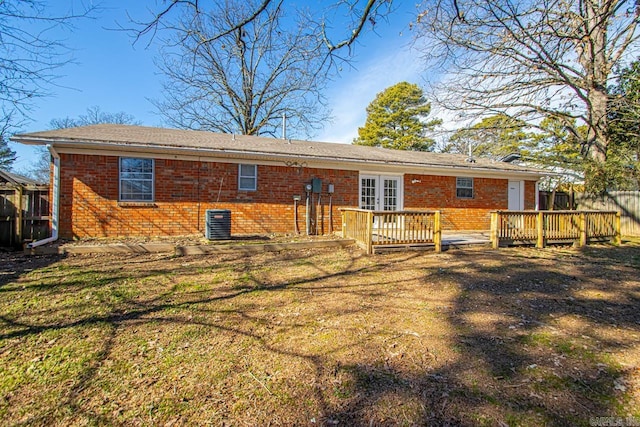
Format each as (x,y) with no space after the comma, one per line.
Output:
(316,185)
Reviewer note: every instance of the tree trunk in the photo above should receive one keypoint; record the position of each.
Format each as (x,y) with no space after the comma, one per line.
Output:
(592,54)
(598,126)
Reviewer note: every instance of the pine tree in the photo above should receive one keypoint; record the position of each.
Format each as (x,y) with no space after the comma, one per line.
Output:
(397,119)
(7,155)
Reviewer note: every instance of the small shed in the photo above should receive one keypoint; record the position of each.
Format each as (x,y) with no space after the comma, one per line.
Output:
(24,209)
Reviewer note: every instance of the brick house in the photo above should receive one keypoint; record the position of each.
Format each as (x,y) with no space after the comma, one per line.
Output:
(121,180)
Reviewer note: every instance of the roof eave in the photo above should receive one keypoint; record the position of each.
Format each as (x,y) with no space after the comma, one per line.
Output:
(408,167)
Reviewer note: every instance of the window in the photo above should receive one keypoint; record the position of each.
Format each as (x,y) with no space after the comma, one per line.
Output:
(247,177)
(136,180)
(464,188)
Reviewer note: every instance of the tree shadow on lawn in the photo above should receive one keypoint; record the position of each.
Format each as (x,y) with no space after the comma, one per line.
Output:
(126,311)
(534,336)
(536,339)
(15,264)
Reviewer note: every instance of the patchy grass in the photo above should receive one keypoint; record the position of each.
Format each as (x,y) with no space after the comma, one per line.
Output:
(509,337)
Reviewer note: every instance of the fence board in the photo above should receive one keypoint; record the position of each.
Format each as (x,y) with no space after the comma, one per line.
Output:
(626,202)
(24,214)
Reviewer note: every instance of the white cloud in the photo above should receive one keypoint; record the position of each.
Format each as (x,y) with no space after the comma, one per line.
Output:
(356,88)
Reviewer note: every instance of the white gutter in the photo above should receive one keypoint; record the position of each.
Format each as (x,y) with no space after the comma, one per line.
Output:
(216,154)
(56,202)
(98,146)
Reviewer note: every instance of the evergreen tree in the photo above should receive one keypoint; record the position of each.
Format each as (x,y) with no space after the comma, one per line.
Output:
(493,137)
(622,168)
(397,119)
(7,155)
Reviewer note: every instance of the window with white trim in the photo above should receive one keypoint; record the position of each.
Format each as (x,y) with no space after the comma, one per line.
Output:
(247,177)
(136,179)
(464,188)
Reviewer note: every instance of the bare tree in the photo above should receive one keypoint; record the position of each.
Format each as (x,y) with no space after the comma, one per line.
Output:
(94,116)
(245,80)
(209,30)
(29,57)
(533,59)
(360,15)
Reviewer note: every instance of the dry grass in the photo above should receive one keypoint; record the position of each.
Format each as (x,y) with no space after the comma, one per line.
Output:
(509,337)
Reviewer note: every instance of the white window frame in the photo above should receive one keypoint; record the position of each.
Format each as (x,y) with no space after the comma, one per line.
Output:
(151,179)
(464,187)
(253,176)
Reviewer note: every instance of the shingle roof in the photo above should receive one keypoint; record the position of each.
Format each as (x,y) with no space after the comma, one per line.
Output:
(14,178)
(141,136)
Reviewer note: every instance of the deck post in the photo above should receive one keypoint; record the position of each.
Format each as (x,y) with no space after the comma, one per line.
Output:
(437,232)
(618,237)
(540,226)
(343,215)
(369,236)
(20,208)
(583,229)
(495,241)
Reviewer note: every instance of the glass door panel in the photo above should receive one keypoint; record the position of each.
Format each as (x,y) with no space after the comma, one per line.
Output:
(390,200)
(380,193)
(368,193)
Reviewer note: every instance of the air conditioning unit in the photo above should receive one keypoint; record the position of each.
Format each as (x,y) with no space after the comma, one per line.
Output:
(218,224)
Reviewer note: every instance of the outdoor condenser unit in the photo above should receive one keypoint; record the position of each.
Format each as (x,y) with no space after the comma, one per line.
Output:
(218,224)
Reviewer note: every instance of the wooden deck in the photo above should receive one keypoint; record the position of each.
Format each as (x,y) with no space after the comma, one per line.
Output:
(466,238)
(374,231)
(450,240)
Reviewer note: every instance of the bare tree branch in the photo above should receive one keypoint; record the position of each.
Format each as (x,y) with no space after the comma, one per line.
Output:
(29,57)
(361,16)
(243,81)
(533,59)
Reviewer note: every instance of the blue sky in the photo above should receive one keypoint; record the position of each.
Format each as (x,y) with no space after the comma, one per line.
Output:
(111,72)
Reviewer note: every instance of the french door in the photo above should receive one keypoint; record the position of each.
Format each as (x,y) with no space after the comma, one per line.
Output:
(380,192)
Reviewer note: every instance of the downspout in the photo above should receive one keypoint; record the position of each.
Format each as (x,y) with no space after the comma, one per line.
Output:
(308,214)
(55,203)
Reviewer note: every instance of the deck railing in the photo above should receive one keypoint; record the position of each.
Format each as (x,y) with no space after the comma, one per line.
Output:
(540,227)
(391,228)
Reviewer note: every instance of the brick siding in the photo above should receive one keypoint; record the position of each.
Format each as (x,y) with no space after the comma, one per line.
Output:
(184,190)
(439,193)
(529,195)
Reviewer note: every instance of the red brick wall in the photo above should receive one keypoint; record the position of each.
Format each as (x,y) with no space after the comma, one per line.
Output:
(529,195)
(184,190)
(439,193)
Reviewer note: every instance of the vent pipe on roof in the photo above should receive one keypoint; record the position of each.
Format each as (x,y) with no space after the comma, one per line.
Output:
(284,125)
(470,159)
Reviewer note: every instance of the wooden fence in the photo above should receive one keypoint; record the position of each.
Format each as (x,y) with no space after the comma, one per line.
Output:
(372,229)
(559,199)
(24,214)
(542,227)
(626,202)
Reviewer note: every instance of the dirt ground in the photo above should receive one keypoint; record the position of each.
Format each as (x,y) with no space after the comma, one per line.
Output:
(324,337)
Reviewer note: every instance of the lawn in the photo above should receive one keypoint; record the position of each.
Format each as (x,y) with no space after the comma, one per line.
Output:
(324,337)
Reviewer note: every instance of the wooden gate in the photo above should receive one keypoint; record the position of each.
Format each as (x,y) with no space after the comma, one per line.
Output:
(24,214)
